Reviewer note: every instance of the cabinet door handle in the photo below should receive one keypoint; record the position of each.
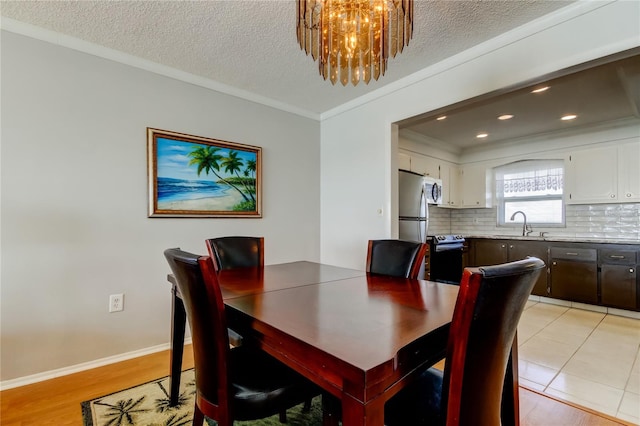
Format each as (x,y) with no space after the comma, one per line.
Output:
(616,256)
(571,253)
(631,271)
(511,246)
(555,263)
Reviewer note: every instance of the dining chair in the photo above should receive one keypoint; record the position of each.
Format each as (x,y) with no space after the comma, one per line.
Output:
(396,258)
(239,252)
(469,392)
(243,383)
(236,252)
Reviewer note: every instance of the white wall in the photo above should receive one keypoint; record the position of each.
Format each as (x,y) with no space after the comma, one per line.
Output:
(356,160)
(74,200)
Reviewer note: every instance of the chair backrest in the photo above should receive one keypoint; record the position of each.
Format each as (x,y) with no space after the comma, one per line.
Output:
(204,305)
(236,252)
(396,258)
(485,319)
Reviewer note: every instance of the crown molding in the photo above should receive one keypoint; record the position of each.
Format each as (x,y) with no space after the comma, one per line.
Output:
(73,43)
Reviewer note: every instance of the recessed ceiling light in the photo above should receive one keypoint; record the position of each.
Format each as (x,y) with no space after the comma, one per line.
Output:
(540,89)
(482,135)
(505,117)
(568,117)
(442,117)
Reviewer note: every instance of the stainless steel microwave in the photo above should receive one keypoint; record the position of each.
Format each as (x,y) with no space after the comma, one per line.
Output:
(433,190)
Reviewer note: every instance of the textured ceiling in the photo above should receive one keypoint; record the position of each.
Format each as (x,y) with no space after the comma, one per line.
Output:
(252,46)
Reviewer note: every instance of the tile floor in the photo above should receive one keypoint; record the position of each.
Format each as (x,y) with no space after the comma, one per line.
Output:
(584,357)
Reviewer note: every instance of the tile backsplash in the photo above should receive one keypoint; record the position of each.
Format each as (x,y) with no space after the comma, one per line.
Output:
(585,221)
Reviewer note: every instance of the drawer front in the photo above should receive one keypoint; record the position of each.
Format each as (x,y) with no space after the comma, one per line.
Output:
(584,255)
(618,257)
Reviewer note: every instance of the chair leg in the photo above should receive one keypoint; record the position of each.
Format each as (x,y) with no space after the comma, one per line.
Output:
(178,324)
(283,416)
(331,410)
(198,417)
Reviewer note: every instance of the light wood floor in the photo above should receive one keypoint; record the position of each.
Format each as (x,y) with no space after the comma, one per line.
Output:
(57,401)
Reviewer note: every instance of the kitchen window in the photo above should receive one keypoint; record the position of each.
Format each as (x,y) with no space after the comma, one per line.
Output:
(534,187)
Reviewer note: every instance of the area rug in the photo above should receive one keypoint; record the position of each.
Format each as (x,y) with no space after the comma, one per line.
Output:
(148,405)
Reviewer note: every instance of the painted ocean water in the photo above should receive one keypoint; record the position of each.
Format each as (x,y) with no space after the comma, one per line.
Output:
(170,189)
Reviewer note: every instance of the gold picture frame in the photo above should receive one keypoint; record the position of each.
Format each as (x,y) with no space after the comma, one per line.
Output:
(194,176)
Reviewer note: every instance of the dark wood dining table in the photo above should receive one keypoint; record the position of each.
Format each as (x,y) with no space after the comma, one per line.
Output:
(360,337)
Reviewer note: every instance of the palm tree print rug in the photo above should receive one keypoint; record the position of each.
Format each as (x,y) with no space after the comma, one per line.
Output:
(148,405)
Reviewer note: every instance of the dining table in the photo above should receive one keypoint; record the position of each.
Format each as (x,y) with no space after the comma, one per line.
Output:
(360,337)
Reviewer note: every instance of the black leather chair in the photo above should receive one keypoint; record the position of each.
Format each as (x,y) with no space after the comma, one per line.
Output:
(236,252)
(483,329)
(396,258)
(243,383)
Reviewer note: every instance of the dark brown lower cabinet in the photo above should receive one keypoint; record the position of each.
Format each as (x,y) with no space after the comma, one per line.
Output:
(493,252)
(574,274)
(604,274)
(619,285)
(575,281)
(489,252)
(618,278)
(521,249)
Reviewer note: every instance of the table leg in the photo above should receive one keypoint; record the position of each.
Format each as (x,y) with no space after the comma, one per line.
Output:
(355,413)
(178,325)
(510,409)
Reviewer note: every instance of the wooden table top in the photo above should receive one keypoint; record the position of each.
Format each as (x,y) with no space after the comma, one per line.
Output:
(245,281)
(365,321)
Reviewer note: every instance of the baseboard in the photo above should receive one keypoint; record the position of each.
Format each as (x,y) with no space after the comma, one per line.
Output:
(586,307)
(52,374)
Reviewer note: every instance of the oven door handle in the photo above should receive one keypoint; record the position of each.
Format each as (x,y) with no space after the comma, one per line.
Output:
(447,247)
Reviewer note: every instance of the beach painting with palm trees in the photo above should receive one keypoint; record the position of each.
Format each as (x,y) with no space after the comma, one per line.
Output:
(193,176)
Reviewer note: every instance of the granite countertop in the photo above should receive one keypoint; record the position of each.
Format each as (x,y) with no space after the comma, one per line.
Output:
(552,238)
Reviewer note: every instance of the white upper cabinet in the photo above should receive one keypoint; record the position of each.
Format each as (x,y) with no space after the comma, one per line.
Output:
(475,187)
(465,186)
(404,161)
(629,172)
(427,166)
(607,174)
(450,175)
(591,176)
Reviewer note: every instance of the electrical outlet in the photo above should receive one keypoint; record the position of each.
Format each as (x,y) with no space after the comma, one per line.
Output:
(116,302)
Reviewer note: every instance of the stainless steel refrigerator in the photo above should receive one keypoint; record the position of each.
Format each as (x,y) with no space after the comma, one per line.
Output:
(413,208)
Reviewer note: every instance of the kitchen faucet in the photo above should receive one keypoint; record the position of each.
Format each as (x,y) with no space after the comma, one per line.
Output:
(526,229)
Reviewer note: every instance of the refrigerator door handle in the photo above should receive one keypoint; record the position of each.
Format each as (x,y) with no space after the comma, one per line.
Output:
(424,202)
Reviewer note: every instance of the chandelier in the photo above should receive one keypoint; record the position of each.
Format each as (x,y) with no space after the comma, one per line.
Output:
(352,39)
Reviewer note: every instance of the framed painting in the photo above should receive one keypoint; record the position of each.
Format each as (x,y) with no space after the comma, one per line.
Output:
(193,176)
